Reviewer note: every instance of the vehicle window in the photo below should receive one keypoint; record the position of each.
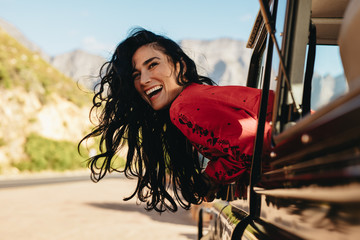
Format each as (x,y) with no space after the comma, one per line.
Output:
(329,81)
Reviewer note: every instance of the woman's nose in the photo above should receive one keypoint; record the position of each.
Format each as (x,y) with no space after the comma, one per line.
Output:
(145,78)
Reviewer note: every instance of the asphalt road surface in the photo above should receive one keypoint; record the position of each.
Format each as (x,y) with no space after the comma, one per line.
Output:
(81,209)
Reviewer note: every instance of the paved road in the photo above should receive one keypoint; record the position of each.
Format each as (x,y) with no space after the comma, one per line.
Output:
(85,210)
(41,180)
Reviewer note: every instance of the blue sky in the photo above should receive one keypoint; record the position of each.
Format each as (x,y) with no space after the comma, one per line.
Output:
(60,26)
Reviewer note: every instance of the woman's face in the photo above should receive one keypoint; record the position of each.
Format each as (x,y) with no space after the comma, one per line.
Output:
(155,77)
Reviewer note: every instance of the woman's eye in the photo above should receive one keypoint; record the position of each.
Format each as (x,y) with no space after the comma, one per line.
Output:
(136,76)
(152,65)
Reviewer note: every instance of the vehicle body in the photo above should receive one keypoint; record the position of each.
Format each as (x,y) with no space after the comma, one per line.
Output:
(309,187)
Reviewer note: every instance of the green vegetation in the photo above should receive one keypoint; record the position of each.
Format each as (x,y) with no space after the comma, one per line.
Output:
(2,142)
(20,67)
(48,154)
(4,77)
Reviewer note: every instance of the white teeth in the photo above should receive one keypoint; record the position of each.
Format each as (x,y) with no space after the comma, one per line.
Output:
(148,92)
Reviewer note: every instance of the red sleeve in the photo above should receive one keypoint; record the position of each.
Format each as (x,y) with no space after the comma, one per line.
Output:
(223,133)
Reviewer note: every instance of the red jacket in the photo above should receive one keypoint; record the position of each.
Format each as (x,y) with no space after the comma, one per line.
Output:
(221,122)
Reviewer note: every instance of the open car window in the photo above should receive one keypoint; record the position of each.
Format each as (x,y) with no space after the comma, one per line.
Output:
(329,81)
(311,46)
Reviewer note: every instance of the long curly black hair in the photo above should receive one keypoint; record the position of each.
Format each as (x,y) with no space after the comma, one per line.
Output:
(158,153)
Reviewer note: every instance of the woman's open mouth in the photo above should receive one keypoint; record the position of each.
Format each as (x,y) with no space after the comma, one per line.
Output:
(153,91)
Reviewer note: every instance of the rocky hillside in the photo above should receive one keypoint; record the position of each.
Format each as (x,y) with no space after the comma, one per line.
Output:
(36,100)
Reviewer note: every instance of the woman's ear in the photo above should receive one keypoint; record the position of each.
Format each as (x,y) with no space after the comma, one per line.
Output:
(178,67)
(185,67)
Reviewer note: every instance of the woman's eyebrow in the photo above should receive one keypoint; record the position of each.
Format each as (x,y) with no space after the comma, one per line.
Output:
(146,62)
(149,60)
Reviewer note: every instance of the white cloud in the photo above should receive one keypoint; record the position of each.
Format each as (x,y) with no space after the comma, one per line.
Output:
(91,44)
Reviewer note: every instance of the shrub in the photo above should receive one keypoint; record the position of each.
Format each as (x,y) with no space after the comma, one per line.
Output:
(48,154)
(5,79)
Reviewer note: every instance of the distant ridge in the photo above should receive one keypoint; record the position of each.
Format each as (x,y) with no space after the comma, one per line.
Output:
(224,60)
(79,65)
(20,37)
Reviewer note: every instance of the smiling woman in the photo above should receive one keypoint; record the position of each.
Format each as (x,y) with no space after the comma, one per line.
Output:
(156,104)
(155,77)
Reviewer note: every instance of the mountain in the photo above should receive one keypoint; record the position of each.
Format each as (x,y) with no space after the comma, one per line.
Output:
(326,89)
(224,60)
(79,65)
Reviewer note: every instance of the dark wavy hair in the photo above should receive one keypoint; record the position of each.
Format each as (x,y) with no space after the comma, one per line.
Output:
(158,154)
